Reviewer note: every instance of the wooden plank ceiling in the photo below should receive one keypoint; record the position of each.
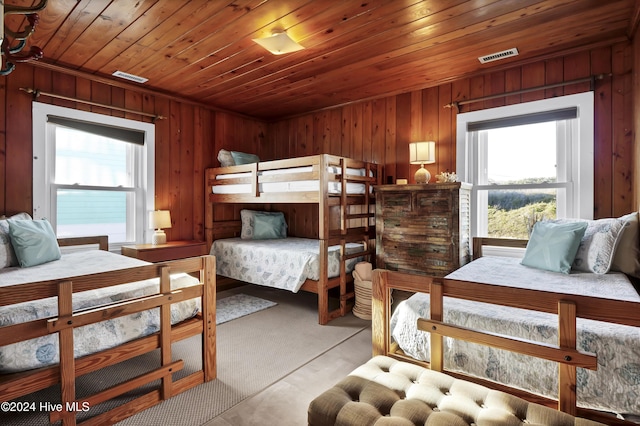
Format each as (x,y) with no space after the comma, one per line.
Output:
(354,50)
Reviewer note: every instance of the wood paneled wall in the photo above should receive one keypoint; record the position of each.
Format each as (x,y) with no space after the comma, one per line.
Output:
(187,141)
(376,130)
(380,130)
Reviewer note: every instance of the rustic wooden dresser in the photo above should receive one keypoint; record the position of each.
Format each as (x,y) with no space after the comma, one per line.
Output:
(423,228)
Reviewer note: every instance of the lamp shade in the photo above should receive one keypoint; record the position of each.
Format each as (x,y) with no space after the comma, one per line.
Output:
(279,43)
(422,152)
(159,219)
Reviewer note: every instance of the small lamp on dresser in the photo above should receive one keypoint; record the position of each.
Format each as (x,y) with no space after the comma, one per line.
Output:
(422,153)
(159,220)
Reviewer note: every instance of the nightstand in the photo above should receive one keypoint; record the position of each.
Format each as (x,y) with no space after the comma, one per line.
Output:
(163,252)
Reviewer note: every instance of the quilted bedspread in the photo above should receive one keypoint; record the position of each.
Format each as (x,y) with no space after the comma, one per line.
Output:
(615,386)
(281,263)
(43,351)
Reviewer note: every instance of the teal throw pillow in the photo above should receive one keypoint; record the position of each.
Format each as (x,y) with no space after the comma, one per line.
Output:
(244,158)
(247,218)
(268,226)
(553,246)
(33,241)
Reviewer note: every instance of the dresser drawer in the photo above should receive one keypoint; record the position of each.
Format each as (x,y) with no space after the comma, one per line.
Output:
(421,203)
(417,225)
(432,258)
(437,202)
(395,203)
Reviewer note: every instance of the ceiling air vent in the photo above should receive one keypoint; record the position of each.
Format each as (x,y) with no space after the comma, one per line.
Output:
(131,77)
(498,55)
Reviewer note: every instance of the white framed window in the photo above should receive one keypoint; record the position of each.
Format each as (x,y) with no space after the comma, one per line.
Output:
(536,157)
(93,174)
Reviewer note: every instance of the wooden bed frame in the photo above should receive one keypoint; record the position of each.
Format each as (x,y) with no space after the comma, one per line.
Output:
(343,218)
(65,373)
(566,306)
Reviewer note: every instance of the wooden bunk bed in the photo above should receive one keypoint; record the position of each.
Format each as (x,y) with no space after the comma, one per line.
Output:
(339,188)
(575,316)
(14,385)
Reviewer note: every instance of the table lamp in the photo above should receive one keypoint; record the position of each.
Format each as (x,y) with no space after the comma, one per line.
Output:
(422,153)
(159,220)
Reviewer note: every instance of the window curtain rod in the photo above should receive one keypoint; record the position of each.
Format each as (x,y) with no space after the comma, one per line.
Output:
(592,79)
(36,93)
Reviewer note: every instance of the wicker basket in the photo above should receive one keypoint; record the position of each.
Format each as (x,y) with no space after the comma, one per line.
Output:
(362,287)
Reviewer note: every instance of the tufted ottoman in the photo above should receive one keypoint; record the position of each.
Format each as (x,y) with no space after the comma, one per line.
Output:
(388,392)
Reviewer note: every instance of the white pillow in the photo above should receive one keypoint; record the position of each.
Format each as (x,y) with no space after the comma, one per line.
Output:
(627,256)
(598,245)
(225,158)
(7,254)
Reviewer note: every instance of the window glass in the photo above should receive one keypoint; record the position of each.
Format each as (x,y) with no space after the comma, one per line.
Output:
(87,159)
(522,154)
(512,213)
(82,212)
(518,158)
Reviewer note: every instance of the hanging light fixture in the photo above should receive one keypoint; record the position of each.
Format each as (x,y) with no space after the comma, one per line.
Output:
(279,43)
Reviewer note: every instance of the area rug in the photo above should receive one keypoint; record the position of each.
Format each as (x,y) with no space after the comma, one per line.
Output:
(239,305)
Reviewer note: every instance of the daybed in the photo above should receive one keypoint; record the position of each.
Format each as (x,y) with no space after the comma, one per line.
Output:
(340,191)
(607,307)
(92,309)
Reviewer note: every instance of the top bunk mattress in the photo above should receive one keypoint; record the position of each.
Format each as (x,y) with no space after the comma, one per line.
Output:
(292,186)
(614,386)
(281,263)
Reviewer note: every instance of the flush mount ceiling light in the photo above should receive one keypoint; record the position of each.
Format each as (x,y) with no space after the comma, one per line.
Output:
(279,43)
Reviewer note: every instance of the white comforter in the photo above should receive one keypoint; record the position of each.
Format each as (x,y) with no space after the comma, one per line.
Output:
(43,351)
(290,186)
(615,386)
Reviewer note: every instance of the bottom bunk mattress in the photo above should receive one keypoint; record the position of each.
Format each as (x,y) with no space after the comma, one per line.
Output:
(280,263)
(614,387)
(43,351)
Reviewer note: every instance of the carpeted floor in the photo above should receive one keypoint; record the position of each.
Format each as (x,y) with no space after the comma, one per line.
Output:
(254,351)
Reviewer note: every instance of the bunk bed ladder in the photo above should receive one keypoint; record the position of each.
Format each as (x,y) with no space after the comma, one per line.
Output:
(364,214)
(344,225)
